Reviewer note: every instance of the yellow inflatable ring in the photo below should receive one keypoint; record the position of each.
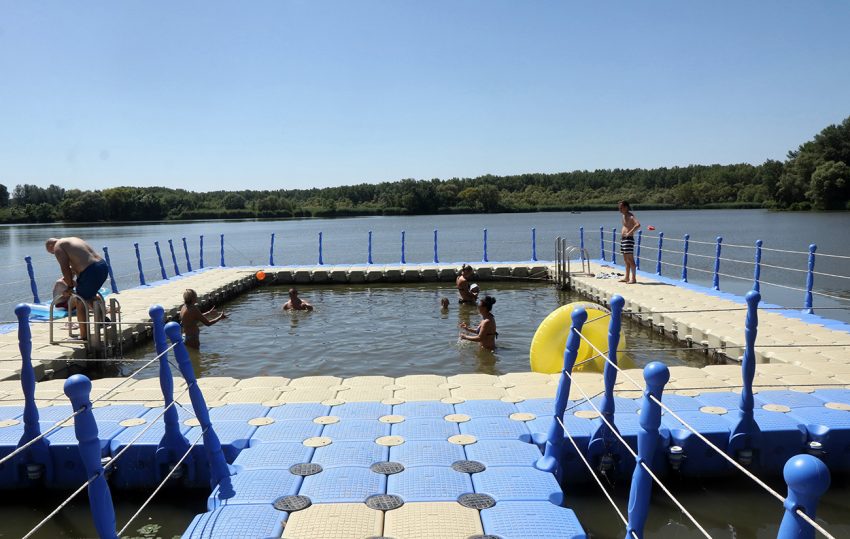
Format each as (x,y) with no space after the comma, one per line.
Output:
(547,346)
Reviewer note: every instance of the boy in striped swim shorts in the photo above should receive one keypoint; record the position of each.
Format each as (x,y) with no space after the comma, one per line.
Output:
(627,241)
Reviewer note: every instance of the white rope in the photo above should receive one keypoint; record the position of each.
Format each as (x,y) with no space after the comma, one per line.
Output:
(592,473)
(162,483)
(639,461)
(705,440)
(55,426)
(59,508)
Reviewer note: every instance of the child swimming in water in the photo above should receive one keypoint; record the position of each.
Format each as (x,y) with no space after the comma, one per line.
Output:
(191,315)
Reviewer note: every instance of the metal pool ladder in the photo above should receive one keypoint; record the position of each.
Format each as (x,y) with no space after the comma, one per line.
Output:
(104,336)
(563,270)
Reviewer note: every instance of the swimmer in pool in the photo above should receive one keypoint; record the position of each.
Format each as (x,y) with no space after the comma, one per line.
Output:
(295,303)
(191,315)
(485,333)
(465,295)
(444,305)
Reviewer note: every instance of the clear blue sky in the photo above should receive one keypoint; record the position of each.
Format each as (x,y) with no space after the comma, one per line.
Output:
(273,94)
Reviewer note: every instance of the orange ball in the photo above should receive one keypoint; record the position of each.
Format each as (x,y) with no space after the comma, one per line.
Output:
(261,275)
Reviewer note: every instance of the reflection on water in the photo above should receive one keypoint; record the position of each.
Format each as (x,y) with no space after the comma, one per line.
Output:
(389,330)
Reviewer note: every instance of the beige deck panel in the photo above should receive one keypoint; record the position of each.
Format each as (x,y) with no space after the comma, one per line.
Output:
(368,381)
(438,520)
(315,381)
(334,521)
(422,393)
(527,378)
(479,392)
(474,379)
(304,394)
(420,380)
(535,391)
(364,394)
(262,382)
(256,394)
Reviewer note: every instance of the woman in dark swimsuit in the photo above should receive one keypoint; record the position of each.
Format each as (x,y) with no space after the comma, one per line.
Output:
(485,333)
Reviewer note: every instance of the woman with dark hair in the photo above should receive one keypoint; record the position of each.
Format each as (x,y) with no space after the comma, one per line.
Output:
(485,333)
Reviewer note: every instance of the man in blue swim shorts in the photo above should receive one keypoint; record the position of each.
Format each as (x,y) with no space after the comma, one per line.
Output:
(78,259)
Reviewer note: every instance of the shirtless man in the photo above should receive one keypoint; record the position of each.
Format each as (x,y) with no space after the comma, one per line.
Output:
(295,303)
(78,259)
(191,316)
(627,241)
(466,296)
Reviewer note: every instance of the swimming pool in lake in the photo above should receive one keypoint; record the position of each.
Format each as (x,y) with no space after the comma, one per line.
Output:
(390,330)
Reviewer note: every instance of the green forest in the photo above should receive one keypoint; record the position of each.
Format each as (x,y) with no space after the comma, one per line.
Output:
(815,176)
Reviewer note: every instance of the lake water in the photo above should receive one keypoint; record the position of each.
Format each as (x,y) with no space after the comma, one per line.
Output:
(397,330)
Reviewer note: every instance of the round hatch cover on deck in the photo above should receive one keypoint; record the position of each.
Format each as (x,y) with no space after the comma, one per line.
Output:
(384,502)
(292,503)
(305,469)
(387,468)
(468,466)
(476,501)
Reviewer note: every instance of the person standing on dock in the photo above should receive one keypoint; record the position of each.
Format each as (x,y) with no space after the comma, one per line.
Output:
(77,259)
(191,315)
(627,241)
(295,303)
(466,295)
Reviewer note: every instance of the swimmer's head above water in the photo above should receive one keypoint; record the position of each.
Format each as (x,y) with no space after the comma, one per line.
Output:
(190,296)
(444,303)
(485,305)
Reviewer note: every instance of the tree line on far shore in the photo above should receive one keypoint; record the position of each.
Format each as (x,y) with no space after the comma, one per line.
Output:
(816,176)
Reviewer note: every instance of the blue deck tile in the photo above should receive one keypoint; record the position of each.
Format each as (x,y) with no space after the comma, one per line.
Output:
(833,395)
(237,522)
(55,413)
(356,430)
(531,520)
(425,428)
(273,455)
(730,401)
(792,399)
(832,429)
(503,453)
(362,410)
(520,484)
(119,412)
(343,485)
(137,467)
(233,435)
(339,454)
(621,404)
(237,412)
(299,410)
(257,487)
(680,403)
(429,484)
(699,458)
(426,453)
(418,409)
(538,406)
(486,408)
(500,428)
(291,430)
(11,412)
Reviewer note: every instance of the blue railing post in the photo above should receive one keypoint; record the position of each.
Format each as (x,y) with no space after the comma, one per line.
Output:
(637,252)
(715,282)
(173,444)
(369,256)
(658,260)
(685,259)
(810,280)
(271,251)
(139,264)
(581,242)
(78,390)
(159,257)
(403,261)
(38,454)
(746,429)
(808,478)
(31,273)
(533,244)
(173,257)
(757,269)
(186,251)
(201,251)
(219,471)
(436,258)
(555,437)
(613,245)
(601,243)
(321,255)
(112,282)
(485,259)
(603,438)
(221,262)
(656,375)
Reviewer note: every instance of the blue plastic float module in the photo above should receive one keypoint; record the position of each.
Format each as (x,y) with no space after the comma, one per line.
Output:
(290,430)
(11,412)
(499,428)
(833,395)
(362,410)
(237,522)
(299,410)
(832,429)
(531,520)
(493,453)
(257,487)
(238,412)
(343,485)
(508,483)
(421,409)
(700,459)
(274,455)
(356,430)
(429,484)
(425,428)
(362,454)
(427,453)
(486,408)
